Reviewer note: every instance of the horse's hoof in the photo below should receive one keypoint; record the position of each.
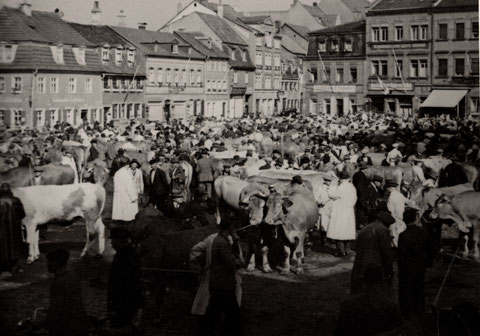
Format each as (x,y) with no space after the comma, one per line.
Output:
(285,272)
(30,261)
(298,271)
(465,254)
(250,268)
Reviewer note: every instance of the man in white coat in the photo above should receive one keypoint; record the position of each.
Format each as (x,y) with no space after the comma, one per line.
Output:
(396,205)
(341,227)
(125,195)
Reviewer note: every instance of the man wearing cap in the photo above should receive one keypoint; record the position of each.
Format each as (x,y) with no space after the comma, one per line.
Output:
(66,311)
(124,294)
(373,246)
(11,240)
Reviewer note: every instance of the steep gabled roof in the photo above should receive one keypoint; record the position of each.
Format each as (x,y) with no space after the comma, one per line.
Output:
(314,11)
(393,5)
(257,19)
(337,7)
(358,6)
(291,46)
(100,35)
(194,39)
(39,27)
(347,27)
(228,11)
(300,30)
(330,20)
(146,40)
(222,29)
(238,62)
(457,4)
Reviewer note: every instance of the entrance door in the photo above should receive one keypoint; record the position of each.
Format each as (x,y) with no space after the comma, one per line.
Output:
(179,110)
(155,111)
(340,111)
(84,115)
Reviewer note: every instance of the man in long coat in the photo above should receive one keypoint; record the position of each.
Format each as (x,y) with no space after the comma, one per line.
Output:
(341,227)
(125,196)
(205,171)
(360,182)
(159,189)
(11,214)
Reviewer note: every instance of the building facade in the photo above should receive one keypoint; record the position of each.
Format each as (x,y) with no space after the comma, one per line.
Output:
(49,73)
(175,74)
(399,44)
(123,73)
(334,70)
(455,57)
(292,92)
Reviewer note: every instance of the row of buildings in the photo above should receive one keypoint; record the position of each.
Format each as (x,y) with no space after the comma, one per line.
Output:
(207,60)
(409,57)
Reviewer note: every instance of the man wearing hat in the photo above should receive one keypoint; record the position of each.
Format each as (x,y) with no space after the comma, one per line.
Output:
(11,240)
(373,246)
(125,195)
(124,294)
(360,181)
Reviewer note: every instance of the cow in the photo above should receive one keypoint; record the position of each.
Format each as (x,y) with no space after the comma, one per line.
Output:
(426,198)
(96,172)
(52,174)
(463,209)
(46,203)
(297,214)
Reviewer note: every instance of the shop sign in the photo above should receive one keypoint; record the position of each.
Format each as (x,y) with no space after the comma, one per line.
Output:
(335,88)
(392,86)
(238,91)
(175,89)
(407,45)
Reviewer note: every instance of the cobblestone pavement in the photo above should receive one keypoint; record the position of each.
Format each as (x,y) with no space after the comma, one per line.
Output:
(272,304)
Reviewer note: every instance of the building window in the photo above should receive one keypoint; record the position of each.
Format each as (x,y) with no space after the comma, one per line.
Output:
(54,85)
(2,84)
(277,44)
(259,41)
(339,75)
(81,56)
(159,75)
(398,68)
(322,46)
(174,48)
(380,67)
(419,32)
(2,117)
(353,74)
(334,45)
(192,77)
(184,77)
(347,46)
(474,66)
(246,77)
(209,65)
(258,59)
(418,68)
(268,41)
(235,77)
(88,85)
(327,106)
(17,84)
(244,56)
(375,34)
(276,61)
(6,53)
(379,34)
(460,31)
(268,59)
(151,75)
(224,86)
(41,85)
(475,29)
(415,30)
(58,54)
(384,34)
(442,31)
(459,66)
(232,56)
(326,75)
(199,77)
(423,32)
(443,67)
(176,76)
(118,56)
(398,33)
(39,117)
(17,117)
(105,55)
(72,85)
(168,76)
(131,57)
(208,86)
(268,82)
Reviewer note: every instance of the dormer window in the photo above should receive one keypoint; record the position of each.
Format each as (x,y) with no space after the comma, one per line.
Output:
(174,48)
(321,46)
(131,57)
(79,55)
(209,44)
(105,55)
(57,53)
(244,56)
(189,50)
(7,53)
(334,45)
(118,56)
(233,55)
(348,45)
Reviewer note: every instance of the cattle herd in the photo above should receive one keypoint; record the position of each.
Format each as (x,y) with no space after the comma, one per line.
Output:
(253,164)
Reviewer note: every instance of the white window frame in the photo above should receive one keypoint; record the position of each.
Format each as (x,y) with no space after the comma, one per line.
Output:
(54,117)
(2,84)
(192,77)
(81,56)
(72,85)
(2,116)
(160,75)
(348,45)
(17,118)
(334,45)
(398,68)
(151,75)
(17,86)
(246,77)
(54,84)
(118,56)
(130,57)
(399,33)
(105,55)
(41,85)
(322,46)
(7,52)
(235,77)
(423,32)
(199,77)
(39,122)
(88,85)
(415,32)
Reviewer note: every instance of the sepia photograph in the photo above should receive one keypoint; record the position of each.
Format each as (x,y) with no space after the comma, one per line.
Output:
(239,168)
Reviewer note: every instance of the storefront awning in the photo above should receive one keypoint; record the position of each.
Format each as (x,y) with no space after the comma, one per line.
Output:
(444,98)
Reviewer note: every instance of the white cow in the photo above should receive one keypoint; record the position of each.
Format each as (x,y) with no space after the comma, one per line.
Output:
(45,203)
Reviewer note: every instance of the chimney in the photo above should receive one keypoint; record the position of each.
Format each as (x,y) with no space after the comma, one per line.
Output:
(315,4)
(294,2)
(278,26)
(220,8)
(142,26)
(96,13)
(121,19)
(179,7)
(59,12)
(26,7)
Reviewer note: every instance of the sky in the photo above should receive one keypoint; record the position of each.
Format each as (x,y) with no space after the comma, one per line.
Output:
(155,12)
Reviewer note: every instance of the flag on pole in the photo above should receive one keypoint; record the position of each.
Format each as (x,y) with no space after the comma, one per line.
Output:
(384,87)
(324,69)
(399,70)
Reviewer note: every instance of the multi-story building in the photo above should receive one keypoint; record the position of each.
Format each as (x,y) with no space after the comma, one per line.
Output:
(123,73)
(48,71)
(267,59)
(175,73)
(455,59)
(399,44)
(217,86)
(334,70)
(291,94)
(227,39)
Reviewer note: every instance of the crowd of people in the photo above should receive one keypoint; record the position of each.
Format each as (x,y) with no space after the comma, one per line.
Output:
(172,167)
